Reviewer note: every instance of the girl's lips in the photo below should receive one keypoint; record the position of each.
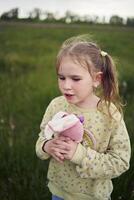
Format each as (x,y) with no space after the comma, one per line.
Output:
(68,96)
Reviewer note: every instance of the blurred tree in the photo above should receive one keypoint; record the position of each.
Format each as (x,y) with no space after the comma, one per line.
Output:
(116,20)
(95,19)
(130,21)
(68,17)
(11,14)
(35,14)
(86,18)
(49,17)
(104,20)
(71,17)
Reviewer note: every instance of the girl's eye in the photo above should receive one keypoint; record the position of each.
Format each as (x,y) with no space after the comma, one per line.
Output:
(61,77)
(76,79)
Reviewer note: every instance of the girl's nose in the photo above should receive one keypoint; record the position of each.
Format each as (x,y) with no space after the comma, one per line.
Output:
(67,84)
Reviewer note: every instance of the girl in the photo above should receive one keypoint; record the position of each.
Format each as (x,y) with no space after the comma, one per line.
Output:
(77,171)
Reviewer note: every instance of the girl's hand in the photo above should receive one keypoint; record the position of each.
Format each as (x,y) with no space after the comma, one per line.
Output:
(56,150)
(68,145)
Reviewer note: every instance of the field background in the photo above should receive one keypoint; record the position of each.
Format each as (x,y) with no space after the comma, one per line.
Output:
(28,83)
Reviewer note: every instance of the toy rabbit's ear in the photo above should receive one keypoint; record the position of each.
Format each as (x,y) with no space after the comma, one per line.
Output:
(81,118)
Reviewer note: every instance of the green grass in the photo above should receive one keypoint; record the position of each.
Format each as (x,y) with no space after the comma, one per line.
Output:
(28,83)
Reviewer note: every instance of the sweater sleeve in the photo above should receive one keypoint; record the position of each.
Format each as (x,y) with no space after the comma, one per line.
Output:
(41,139)
(109,164)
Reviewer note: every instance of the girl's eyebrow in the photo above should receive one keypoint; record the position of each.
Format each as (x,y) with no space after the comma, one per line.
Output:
(76,76)
(59,74)
(72,76)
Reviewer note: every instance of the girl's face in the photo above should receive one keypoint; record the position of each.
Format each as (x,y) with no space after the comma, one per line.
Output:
(76,83)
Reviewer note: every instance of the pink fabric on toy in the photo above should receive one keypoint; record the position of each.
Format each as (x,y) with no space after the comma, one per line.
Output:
(75,132)
(65,124)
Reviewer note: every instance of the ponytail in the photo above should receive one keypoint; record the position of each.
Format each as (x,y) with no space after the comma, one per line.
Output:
(110,83)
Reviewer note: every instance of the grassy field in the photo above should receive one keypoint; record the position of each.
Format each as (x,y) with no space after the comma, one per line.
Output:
(28,83)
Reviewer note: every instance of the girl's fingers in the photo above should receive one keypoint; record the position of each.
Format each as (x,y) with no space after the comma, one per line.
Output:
(58,156)
(58,147)
(59,150)
(63,138)
(62,147)
(62,151)
(58,159)
(61,144)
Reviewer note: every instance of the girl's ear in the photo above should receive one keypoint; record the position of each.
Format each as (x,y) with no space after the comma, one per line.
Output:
(97,79)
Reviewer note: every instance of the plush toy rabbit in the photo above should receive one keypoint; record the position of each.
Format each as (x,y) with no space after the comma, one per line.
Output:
(68,125)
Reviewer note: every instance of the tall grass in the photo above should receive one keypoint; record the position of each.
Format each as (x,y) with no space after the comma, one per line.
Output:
(28,83)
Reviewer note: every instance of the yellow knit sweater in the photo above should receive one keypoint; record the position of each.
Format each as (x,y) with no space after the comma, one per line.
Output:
(88,175)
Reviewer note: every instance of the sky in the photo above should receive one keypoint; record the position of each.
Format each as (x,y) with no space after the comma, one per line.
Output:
(101,8)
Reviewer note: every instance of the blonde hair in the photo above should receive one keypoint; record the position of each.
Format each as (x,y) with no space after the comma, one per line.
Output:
(89,54)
